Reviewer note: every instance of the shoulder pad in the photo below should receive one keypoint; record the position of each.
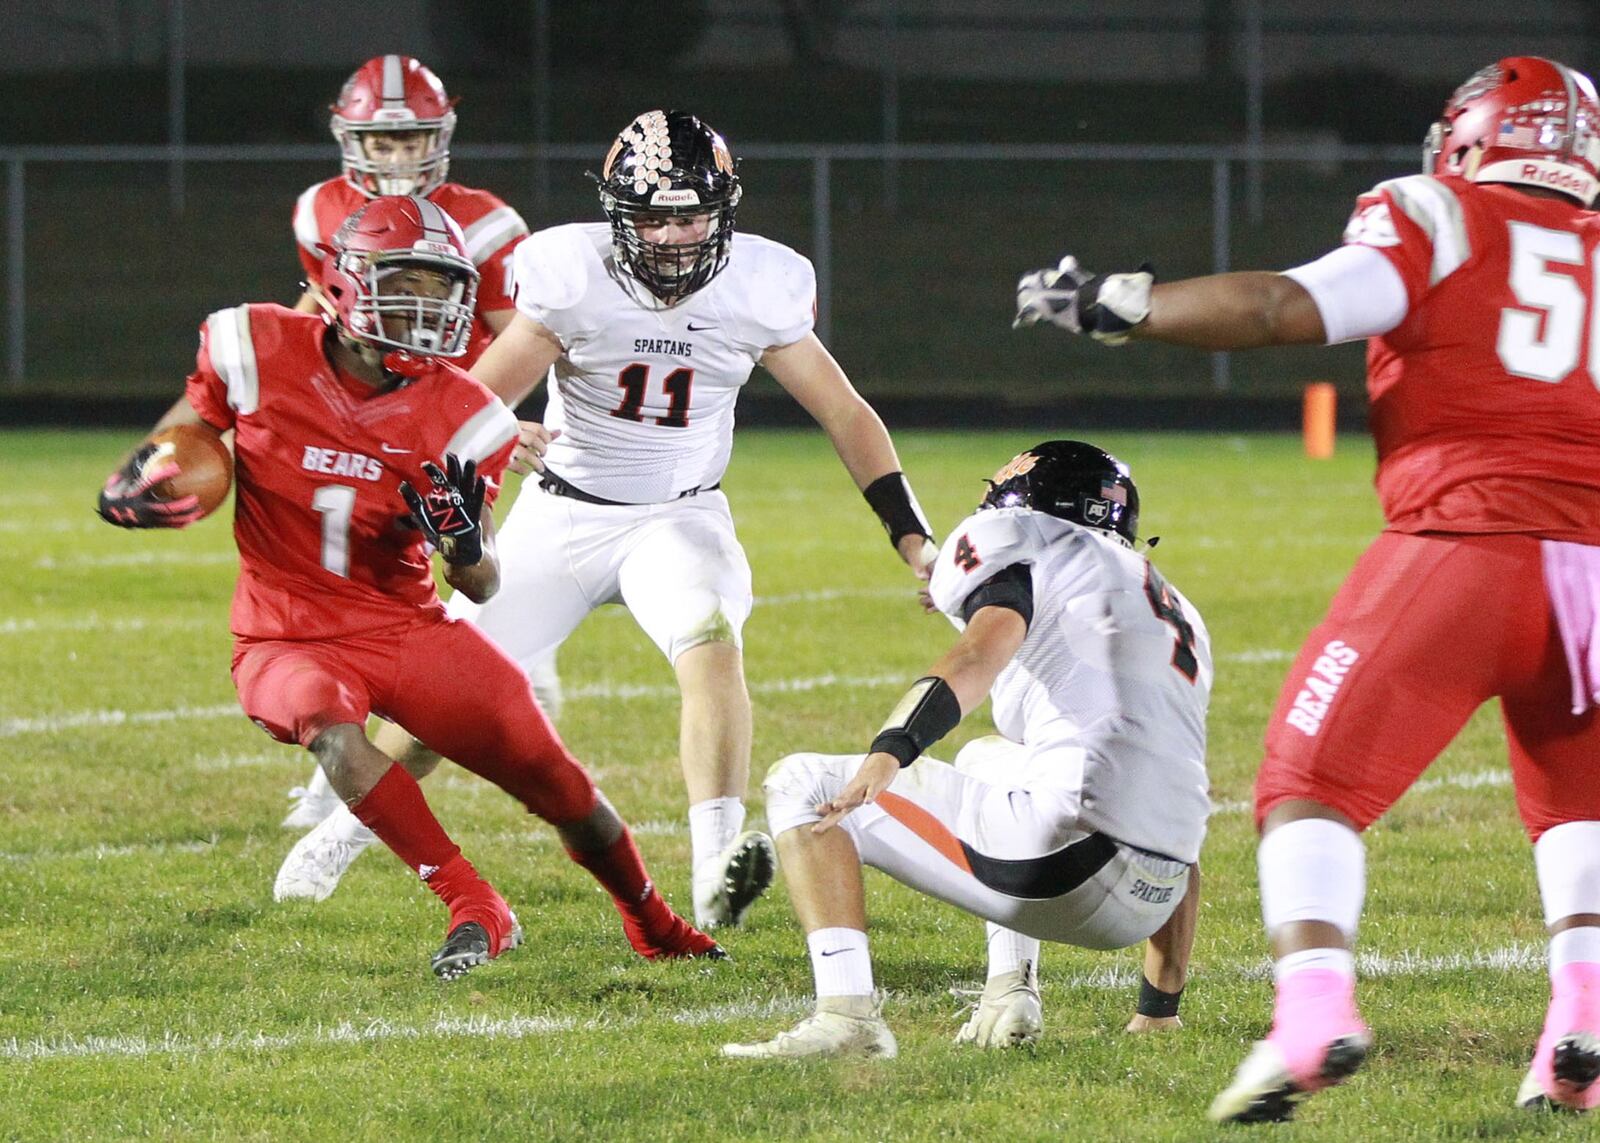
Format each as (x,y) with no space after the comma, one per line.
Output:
(780,286)
(551,268)
(1435,207)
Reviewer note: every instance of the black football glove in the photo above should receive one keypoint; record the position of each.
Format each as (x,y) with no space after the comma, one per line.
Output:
(126,499)
(1107,307)
(448,516)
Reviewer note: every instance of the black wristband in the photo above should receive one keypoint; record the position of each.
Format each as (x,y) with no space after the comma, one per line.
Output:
(890,497)
(928,712)
(1153,1002)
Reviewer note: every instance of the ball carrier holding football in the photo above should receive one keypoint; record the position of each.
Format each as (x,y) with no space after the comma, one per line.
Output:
(393,121)
(360,450)
(1081,823)
(649,324)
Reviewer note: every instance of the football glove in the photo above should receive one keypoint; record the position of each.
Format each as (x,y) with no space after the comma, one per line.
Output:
(1107,307)
(448,516)
(127,499)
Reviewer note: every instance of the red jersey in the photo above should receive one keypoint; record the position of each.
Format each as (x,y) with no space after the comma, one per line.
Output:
(1486,397)
(319,457)
(491,227)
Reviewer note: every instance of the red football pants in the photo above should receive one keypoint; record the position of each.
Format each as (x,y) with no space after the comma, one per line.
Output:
(1425,630)
(442,680)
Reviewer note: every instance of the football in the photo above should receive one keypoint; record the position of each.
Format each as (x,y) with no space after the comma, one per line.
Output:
(205,466)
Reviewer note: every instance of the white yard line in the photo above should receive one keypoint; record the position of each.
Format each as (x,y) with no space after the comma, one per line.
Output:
(135,559)
(375,1031)
(74,720)
(1518,958)
(94,622)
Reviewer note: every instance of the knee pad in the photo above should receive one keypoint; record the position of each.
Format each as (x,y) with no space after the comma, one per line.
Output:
(796,783)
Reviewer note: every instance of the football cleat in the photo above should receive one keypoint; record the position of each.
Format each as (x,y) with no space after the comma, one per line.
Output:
(1574,1067)
(824,1034)
(728,884)
(469,944)
(682,940)
(312,805)
(1265,1090)
(313,867)
(1008,1013)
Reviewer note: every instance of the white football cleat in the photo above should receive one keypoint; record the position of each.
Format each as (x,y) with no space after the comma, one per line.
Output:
(314,866)
(729,883)
(1574,1068)
(1266,1090)
(1008,1013)
(824,1034)
(313,802)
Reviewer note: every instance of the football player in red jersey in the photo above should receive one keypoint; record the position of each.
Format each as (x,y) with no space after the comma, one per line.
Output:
(393,121)
(1475,283)
(360,447)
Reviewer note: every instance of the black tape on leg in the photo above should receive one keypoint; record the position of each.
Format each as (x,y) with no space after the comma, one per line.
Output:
(1155,1003)
(928,712)
(890,497)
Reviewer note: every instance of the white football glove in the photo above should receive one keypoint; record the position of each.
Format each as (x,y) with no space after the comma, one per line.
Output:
(1107,307)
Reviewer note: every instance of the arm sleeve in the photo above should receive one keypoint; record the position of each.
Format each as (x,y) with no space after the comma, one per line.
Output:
(1010,587)
(1358,291)
(491,242)
(206,389)
(549,272)
(783,294)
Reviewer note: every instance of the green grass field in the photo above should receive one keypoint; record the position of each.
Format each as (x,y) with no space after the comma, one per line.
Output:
(151,987)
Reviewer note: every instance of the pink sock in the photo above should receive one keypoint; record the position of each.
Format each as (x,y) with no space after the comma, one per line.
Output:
(1574,1007)
(1314,1007)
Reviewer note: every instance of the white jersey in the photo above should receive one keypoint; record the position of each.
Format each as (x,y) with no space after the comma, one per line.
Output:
(644,393)
(1116,663)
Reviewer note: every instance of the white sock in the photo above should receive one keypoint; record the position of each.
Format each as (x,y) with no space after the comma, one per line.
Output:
(713,824)
(840,962)
(1567,858)
(1008,949)
(1312,870)
(1341,961)
(1574,946)
(319,786)
(345,826)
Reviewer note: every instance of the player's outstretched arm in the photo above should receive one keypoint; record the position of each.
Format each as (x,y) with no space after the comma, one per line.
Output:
(1166,964)
(126,498)
(1246,310)
(933,707)
(809,374)
(518,359)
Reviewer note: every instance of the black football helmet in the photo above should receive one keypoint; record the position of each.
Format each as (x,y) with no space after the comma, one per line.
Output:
(670,163)
(1072,480)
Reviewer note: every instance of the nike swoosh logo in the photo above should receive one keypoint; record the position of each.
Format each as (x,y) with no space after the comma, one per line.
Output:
(699,328)
(400,451)
(833,952)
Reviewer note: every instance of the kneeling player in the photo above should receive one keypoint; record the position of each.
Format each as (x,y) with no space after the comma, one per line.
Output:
(1082,826)
(339,419)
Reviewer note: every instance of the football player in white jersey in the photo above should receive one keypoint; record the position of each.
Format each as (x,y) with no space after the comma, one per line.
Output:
(1082,823)
(648,325)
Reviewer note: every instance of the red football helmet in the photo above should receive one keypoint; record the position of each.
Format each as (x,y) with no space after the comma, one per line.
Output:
(1523,120)
(385,96)
(364,275)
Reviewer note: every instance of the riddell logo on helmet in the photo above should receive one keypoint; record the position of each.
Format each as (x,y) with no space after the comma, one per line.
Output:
(683,197)
(1556,178)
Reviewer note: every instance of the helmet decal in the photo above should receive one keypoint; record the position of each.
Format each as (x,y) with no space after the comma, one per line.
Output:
(671,164)
(1071,480)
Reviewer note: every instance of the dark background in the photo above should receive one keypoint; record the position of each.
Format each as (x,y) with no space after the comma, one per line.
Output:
(123,258)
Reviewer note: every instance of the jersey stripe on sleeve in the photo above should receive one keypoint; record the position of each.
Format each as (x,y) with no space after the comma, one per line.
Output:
(233,356)
(305,220)
(493,231)
(1437,212)
(485,433)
